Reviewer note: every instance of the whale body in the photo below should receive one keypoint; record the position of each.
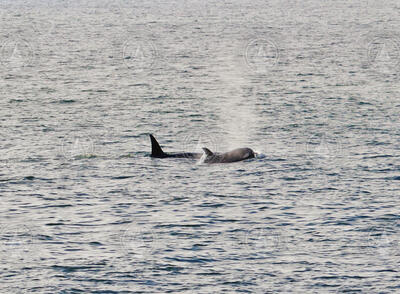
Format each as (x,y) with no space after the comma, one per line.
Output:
(157,152)
(231,156)
(208,156)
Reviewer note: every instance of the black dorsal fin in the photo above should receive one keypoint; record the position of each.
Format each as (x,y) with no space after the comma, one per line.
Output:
(207,151)
(156,150)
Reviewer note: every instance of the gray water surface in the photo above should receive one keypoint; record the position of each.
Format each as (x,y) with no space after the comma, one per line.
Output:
(311,86)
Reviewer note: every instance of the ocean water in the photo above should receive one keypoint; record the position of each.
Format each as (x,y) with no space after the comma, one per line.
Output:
(311,86)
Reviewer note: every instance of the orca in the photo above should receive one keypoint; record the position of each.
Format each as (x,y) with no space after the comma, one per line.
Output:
(231,156)
(157,152)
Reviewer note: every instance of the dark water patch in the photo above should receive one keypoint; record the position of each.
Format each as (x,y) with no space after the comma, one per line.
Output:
(71,269)
(65,101)
(139,85)
(94,243)
(171,268)
(379,156)
(191,259)
(122,177)
(95,91)
(73,291)
(57,205)
(15,100)
(120,222)
(387,270)
(179,226)
(364,103)
(211,205)
(212,273)
(55,224)
(388,218)
(289,179)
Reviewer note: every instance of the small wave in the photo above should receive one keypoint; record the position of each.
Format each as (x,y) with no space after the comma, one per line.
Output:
(259,154)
